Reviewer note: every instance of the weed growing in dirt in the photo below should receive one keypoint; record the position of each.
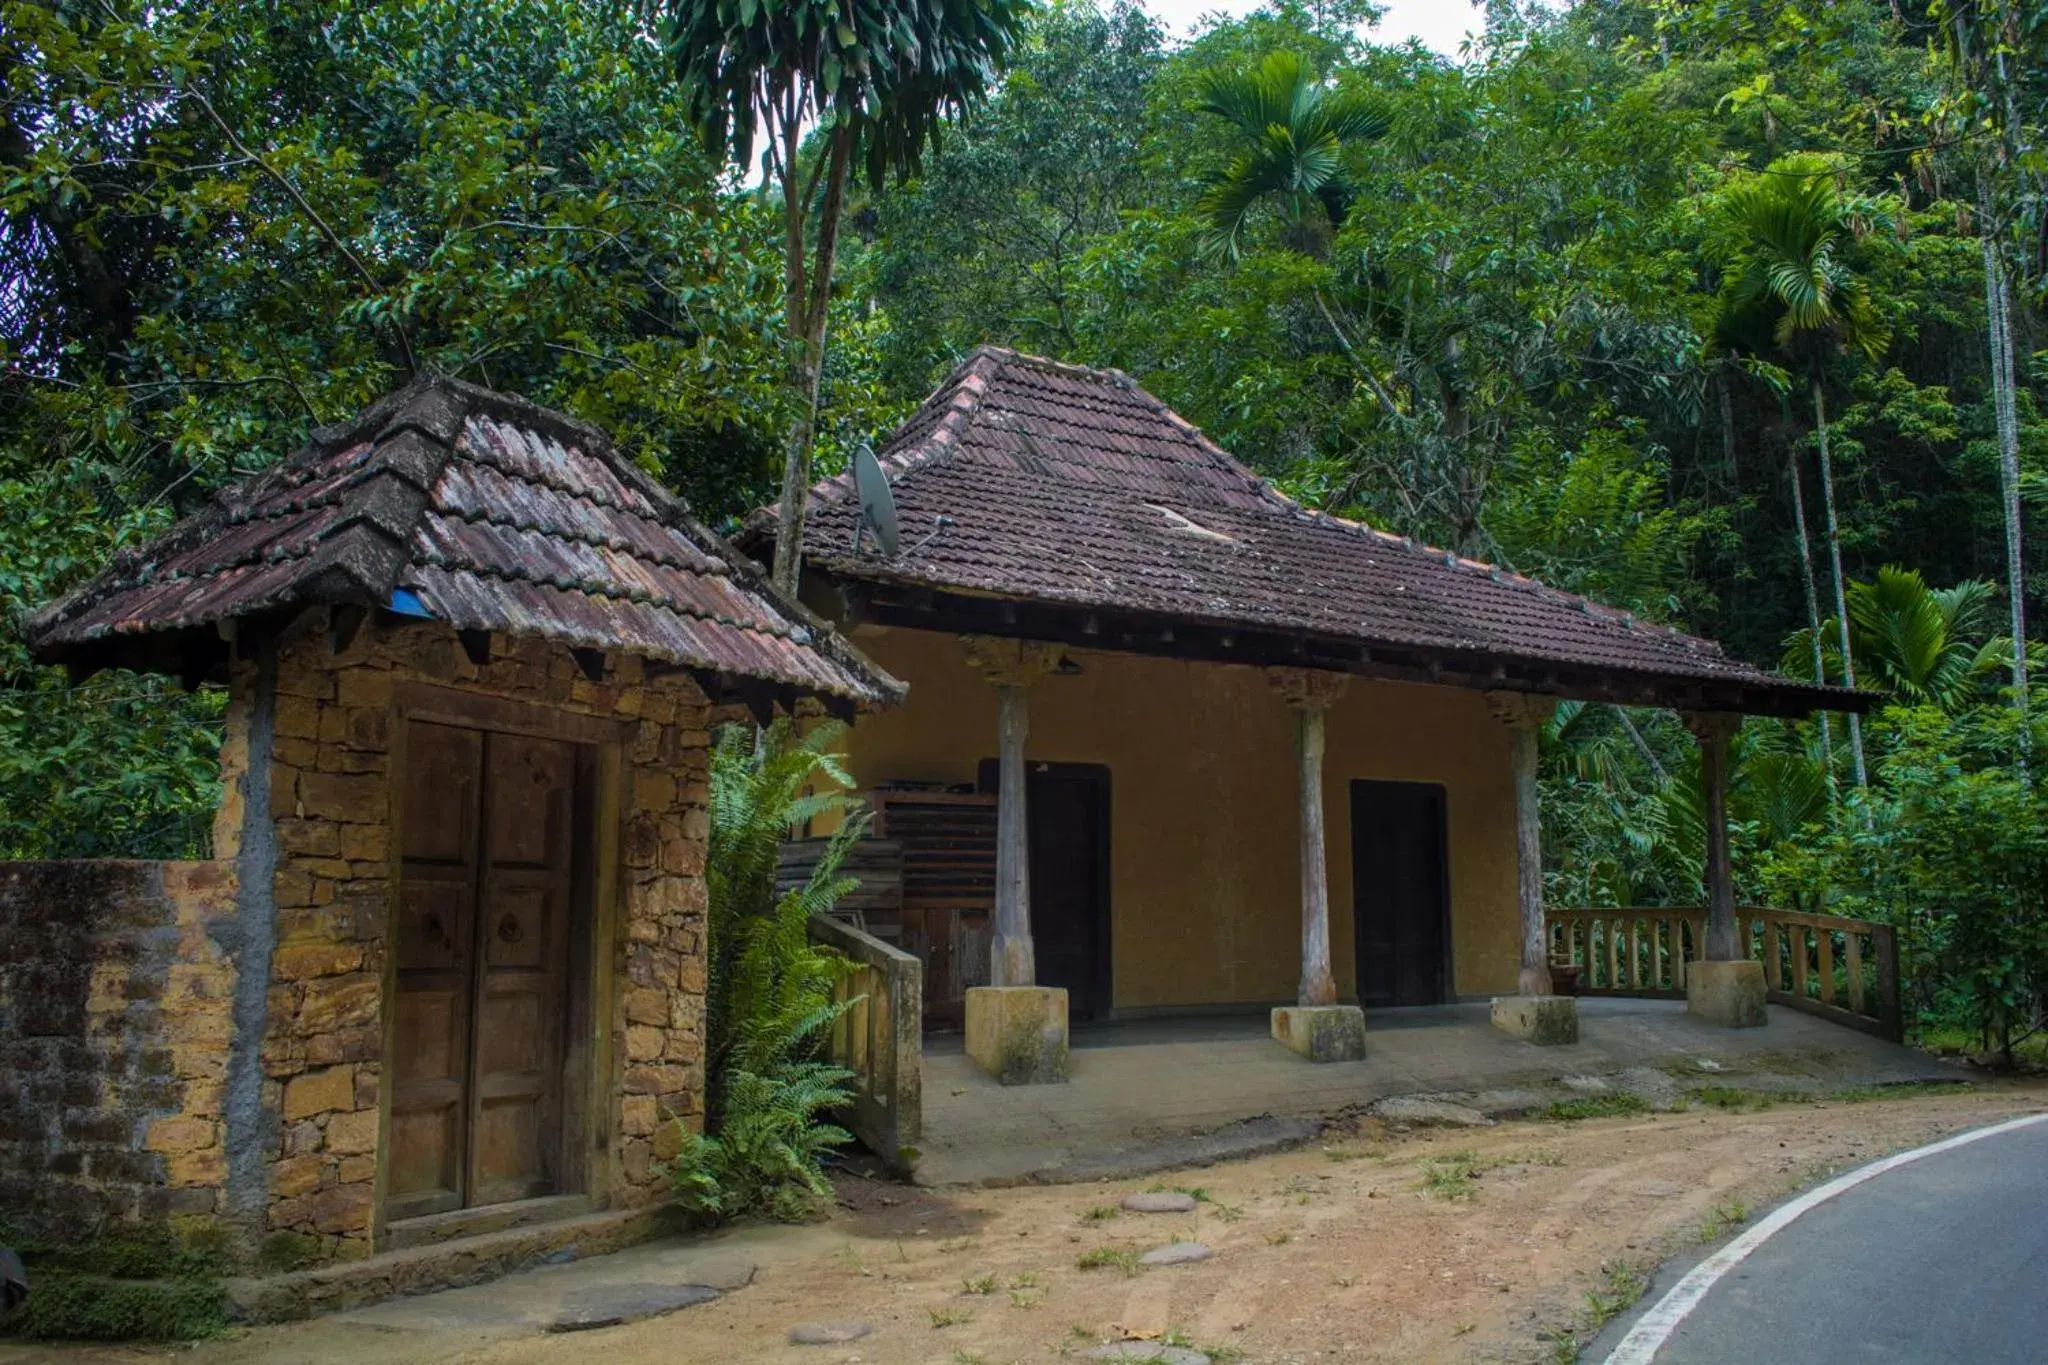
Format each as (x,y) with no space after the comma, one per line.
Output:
(963,1356)
(1619,1104)
(1729,1213)
(1027,1280)
(1101,1213)
(1535,1156)
(1229,1213)
(1621,1285)
(979,1284)
(1025,1298)
(1198,1193)
(1279,1239)
(1905,1090)
(1126,1261)
(1729,1098)
(948,1316)
(1451,1176)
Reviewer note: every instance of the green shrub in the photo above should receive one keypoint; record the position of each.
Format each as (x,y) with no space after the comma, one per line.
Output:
(770,988)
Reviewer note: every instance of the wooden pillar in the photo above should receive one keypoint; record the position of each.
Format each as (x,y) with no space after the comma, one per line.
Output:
(1310,692)
(1713,729)
(1012,666)
(1524,714)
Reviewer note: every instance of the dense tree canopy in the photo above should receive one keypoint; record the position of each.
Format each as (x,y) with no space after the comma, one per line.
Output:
(1661,301)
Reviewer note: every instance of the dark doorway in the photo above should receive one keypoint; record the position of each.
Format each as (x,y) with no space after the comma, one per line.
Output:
(1068,811)
(1400,901)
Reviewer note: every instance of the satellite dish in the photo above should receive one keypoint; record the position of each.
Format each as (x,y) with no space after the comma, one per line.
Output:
(877,503)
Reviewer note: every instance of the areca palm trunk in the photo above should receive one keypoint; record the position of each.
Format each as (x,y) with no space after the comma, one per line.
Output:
(1998,333)
(1827,497)
(1820,673)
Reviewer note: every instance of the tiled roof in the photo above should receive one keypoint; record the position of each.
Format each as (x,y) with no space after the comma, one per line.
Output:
(1073,487)
(483,511)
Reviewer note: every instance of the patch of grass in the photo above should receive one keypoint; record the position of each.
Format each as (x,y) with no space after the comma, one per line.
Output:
(1027,1280)
(1025,1298)
(978,1284)
(1279,1239)
(1729,1213)
(1613,1105)
(963,1356)
(1229,1213)
(947,1316)
(1198,1193)
(1103,1257)
(1905,1090)
(1729,1098)
(1451,1176)
(1621,1285)
(1536,1156)
(1101,1213)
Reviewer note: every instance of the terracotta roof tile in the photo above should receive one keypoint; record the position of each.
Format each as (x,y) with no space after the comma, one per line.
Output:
(1074,487)
(498,515)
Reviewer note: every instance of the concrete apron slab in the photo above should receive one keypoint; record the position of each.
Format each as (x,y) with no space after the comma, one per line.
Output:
(623,1286)
(1224,1094)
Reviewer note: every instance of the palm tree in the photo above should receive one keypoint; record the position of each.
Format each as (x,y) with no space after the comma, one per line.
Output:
(875,80)
(1923,645)
(1793,224)
(1292,130)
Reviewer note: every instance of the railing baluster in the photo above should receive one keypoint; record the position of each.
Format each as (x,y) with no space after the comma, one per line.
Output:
(1852,940)
(1826,938)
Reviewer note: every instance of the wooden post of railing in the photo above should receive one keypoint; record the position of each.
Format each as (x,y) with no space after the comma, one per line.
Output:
(880,1040)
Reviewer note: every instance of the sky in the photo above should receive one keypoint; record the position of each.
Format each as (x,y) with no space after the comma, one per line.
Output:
(1440,24)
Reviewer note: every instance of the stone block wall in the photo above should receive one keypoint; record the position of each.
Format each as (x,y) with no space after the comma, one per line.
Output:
(329,808)
(114,1032)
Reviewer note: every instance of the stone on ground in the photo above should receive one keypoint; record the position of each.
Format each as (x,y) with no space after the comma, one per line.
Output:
(1176,1253)
(1415,1109)
(1585,1085)
(613,1305)
(827,1333)
(1146,1351)
(1160,1201)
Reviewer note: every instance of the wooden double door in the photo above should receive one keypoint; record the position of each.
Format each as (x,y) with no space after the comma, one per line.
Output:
(1400,893)
(491,953)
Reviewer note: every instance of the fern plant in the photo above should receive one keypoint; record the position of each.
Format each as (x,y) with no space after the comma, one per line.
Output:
(770,988)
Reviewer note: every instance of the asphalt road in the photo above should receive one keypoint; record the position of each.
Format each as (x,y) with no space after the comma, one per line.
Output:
(1944,1259)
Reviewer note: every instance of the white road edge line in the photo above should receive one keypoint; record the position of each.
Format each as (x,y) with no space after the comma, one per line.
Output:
(1655,1327)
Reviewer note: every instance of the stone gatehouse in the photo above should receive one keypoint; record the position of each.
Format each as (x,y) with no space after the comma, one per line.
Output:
(445,969)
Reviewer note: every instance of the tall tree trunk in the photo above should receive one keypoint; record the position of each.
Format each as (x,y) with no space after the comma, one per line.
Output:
(1727,401)
(806,296)
(1820,672)
(1998,334)
(1827,498)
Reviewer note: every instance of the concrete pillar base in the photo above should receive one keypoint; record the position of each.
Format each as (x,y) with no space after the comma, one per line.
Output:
(1321,1033)
(1546,1020)
(1730,994)
(1018,1034)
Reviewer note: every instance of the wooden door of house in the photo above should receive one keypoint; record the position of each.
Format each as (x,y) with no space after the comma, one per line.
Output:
(488,842)
(1400,893)
(1067,813)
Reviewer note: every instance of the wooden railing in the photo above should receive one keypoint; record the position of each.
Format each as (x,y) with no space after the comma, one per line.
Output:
(1846,970)
(880,1039)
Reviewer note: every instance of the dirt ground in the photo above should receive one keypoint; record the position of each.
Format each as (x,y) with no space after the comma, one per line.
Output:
(1491,1244)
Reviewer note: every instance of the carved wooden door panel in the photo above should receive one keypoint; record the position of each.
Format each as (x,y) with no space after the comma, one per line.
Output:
(426,1168)
(515,1152)
(485,843)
